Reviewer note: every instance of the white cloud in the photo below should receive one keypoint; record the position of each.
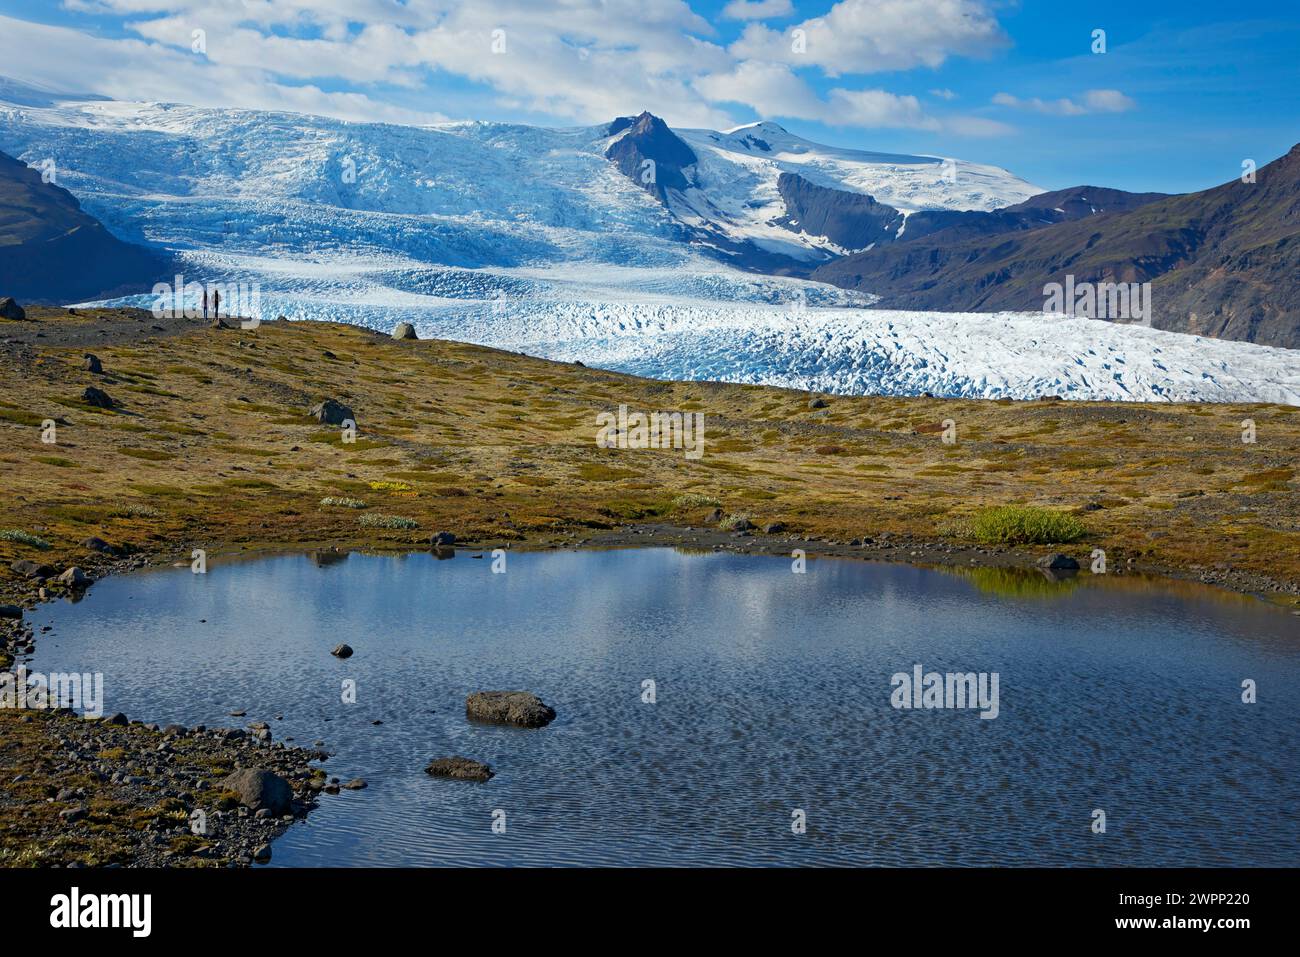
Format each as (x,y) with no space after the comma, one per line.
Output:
(1108,101)
(944,94)
(757,9)
(67,60)
(1092,101)
(870,36)
(584,61)
(774,90)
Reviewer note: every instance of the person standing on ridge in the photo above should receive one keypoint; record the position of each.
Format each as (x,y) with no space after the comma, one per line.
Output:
(205,304)
(216,304)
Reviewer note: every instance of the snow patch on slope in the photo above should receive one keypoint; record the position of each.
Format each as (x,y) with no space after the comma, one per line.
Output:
(736,183)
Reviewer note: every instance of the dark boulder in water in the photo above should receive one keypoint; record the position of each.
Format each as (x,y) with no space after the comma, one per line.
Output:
(259,789)
(459,769)
(521,708)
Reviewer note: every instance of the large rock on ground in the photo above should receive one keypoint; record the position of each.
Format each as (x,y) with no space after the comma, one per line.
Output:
(11,310)
(36,570)
(75,578)
(1058,562)
(404,330)
(97,544)
(259,789)
(98,398)
(331,412)
(91,363)
(520,708)
(458,768)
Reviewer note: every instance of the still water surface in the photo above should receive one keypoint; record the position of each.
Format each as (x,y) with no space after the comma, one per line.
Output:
(772,694)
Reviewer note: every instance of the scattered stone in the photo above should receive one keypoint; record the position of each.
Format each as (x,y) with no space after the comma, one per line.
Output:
(443,540)
(11,611)
(9,309)
(817,403)
(259,789)
(92,364)
(356,784)
(342,651)
(118,719)
(34,570)
(331,412)
(404,330)
(75,579)
(520,708)
(714,516)
(262,853)
(459,769)
(175,731)
(96,544)
(98,398)
(774,528)
(1057,562)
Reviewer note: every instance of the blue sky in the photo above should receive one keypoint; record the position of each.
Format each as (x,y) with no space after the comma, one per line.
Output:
(1184,92)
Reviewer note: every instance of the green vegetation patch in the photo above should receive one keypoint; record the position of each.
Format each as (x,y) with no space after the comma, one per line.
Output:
(1024,525)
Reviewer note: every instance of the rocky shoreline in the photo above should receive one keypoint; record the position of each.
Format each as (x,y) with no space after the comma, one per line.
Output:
(108,792)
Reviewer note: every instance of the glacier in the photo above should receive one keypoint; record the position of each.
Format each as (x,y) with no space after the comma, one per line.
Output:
(527,238)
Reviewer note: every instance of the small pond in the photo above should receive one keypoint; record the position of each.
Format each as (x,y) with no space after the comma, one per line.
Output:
(772,704)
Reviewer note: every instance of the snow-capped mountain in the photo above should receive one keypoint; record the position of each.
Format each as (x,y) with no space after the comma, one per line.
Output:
(554,241)
(463,194)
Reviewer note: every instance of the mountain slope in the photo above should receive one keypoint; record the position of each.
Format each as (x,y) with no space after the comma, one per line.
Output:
(467,194)
(1222,262)
(52,251)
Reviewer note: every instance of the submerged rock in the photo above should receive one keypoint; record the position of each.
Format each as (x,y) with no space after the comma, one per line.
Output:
(259,789)
(342,651)
(521,708)
(459,769)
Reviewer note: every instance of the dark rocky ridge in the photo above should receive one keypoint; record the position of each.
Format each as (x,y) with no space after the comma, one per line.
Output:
(52,251)
(850,220)
(649,138)
(1222,261)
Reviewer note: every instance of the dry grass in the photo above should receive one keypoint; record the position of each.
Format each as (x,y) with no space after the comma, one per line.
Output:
(218,450)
